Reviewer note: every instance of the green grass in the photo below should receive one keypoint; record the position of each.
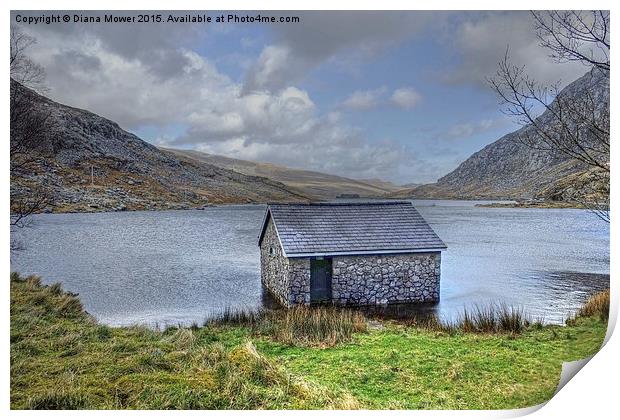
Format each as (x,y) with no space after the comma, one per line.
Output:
(417,369)
(61,358)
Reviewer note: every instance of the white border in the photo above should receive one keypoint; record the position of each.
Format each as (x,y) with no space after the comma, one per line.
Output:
(592,394)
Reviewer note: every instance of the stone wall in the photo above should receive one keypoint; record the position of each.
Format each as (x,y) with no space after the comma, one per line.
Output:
(299,272)
(287,279)
(381,279)
(274,266)
(356,280)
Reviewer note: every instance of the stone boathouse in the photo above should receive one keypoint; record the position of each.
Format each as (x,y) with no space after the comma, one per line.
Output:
(369,253)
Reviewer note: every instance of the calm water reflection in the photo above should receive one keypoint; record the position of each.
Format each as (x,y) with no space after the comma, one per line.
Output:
(180,266)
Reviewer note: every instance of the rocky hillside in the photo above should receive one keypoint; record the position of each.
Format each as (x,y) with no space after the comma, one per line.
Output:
(127,173)
(508,168)
(311,183)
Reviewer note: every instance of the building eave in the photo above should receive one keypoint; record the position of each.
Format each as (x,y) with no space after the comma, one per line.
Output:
(362,252)
(266,218)
(263,226)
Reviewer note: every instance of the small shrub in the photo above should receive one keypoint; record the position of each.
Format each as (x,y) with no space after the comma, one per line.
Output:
(493,319)
(481,319)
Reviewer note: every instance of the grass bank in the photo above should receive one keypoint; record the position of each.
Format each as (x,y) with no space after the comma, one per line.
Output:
(61,358)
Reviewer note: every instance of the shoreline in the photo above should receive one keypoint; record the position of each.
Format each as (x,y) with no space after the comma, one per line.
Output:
(180,207)
(540,205)
(483,203)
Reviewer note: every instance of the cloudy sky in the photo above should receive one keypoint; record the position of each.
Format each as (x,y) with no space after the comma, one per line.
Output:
(400,96)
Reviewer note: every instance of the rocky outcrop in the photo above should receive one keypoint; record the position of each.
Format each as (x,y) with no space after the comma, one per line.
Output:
(89,163)
(510,168)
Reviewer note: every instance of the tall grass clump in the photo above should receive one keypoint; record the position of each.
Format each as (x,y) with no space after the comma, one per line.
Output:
(322,326)
(596,305)
(513,319)
(479,319)
(314,326)
(236,317)
(493,318)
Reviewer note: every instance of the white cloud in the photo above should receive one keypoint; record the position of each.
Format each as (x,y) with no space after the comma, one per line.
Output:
(139,75)
(481,41)
(283,126)
(465,130)
(247,42)
(406,97)
(364,99)
(320,36)
(273,66)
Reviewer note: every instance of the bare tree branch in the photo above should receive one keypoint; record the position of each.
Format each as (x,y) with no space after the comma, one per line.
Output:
(574,123)
(30,125)
(30,128)
(575,36)
(25,205)
(23,69)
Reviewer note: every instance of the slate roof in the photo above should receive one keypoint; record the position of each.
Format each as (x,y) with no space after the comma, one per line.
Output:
(351,228)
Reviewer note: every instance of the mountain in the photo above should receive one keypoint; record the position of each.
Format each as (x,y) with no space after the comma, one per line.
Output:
(510,169)
(386,185)
(316,184)
(127,172)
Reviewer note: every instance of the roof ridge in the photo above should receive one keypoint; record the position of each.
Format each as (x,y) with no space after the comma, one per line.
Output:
(337,203)
(353,227)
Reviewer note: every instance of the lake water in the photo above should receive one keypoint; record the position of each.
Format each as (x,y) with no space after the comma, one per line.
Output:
(175,267)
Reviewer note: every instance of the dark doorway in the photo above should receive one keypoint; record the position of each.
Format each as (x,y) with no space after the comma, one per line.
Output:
(321,280)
